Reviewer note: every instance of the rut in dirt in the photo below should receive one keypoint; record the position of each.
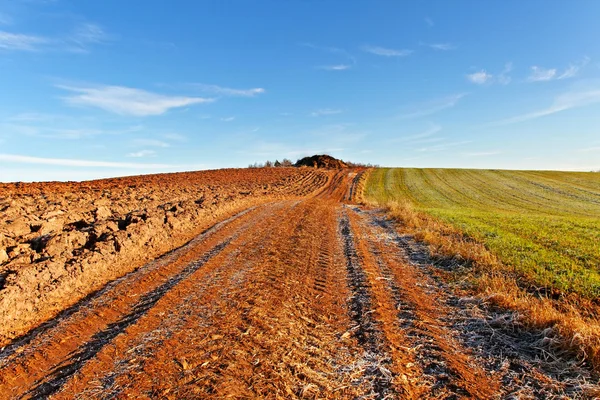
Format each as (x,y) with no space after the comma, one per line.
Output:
(366,331)
(521,359)
(55,380)
(19,343)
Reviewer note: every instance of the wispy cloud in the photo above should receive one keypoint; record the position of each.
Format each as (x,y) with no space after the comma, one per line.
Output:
(442,146)
(227,119)
(429,22)
(142,153)
(225,91)
(482,153)
(21,42)
(58,126)
(325,111)
(85,35)
(569,100)
(387,52)
(126,101)
(503,77)
(66,162)
(480,77)
(540,74)
(351,60)
(176,137)
(150,143)
(338,67)
(78,41)
(442,46)
(425,136)
(431,107)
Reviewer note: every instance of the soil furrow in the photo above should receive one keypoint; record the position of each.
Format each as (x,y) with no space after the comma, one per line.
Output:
(25,340)
(51,351)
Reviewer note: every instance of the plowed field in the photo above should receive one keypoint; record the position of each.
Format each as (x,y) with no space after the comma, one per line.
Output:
(305,296)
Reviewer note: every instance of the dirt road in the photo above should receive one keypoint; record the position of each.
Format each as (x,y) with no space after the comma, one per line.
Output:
(310,298)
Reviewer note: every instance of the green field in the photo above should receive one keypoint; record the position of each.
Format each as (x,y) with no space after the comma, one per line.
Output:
(546,225)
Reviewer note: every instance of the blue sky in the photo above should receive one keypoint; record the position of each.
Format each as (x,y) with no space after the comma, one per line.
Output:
(93,89)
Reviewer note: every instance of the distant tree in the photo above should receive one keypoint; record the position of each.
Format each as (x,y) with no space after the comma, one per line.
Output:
(268,164)
(287,163)
(277,163)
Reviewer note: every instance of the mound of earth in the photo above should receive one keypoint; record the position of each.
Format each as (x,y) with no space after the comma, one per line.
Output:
(321,161)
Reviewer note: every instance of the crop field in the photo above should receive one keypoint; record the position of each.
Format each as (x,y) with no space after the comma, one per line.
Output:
(545,225)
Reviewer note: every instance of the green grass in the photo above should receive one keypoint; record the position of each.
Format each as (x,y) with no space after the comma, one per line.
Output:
(545,225)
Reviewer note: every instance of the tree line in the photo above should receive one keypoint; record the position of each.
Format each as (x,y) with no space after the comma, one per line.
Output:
(273,164)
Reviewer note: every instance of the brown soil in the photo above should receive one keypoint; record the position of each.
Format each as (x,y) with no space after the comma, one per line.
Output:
(299,297)
(59,242)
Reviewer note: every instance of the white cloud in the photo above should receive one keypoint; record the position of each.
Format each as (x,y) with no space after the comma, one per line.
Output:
(60,126)
(442,146)
(539,74)
(65,162)
(442,46)
(422,137)
(566,101)
(78,41)
(482,153)
(431,107)
(483,77)
(325,111)
(126,101)
(224,91)
(227,119)
(17,41)
(338,67)
(142,153)
(480,77)
(85,35)
(334,50)
(387,52)
(429,22)
(176,137)
(151,143)
(503,78)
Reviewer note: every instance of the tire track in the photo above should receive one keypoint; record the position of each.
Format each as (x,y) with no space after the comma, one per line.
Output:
(262,338)
(18,344)
(203,299)
(366,331)
(450,332)
(85,330)
(53,382)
